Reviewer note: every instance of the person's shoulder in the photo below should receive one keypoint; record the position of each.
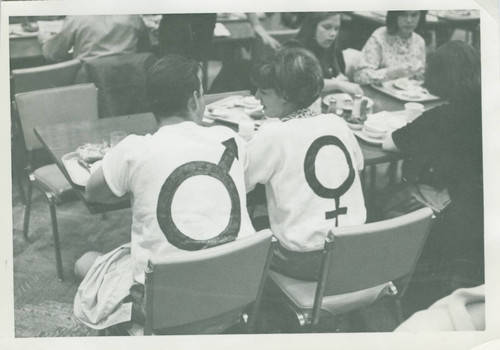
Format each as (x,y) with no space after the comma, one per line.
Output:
(380,33)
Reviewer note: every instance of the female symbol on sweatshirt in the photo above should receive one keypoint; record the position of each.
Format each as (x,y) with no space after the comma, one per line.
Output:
(312,179)
(218,171)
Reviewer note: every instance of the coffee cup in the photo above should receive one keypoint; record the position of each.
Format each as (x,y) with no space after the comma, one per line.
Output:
(413,110)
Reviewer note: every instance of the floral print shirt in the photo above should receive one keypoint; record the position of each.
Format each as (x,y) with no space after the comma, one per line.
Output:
(383,51)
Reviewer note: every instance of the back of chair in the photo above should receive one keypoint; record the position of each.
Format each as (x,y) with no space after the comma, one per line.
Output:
(57,105)
(121,82)
(368,255)
(45,77)
(187,293)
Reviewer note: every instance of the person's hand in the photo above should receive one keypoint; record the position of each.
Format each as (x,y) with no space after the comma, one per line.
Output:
(267,39)
(352,88)
(400,71)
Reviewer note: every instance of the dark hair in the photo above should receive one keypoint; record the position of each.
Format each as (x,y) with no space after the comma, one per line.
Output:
(307,38)
(293,73)
(453,71)
(391,21)
(170,83)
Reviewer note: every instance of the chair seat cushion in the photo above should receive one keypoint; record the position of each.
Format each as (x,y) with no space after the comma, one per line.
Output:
(302,293)
(50,179)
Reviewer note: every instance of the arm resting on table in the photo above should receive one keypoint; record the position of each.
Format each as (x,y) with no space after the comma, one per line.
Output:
(97,190)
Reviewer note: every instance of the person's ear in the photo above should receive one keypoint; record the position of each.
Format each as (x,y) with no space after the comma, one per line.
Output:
(193,101)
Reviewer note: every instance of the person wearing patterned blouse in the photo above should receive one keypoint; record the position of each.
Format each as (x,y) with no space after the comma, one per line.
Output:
(394,51)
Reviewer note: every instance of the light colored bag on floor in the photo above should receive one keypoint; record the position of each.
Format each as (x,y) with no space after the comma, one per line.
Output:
(99,299)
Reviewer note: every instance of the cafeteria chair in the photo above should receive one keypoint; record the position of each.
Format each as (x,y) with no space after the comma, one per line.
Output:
(37,78)
(45,107)
(45,77)
(120,80)
(207,291)
(360,265)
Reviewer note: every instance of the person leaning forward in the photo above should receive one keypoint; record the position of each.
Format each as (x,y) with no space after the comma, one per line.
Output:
(148,168)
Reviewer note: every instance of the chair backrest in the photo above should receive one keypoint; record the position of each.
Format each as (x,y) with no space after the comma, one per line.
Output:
(45,77)
(190,292)
(57,105)
(120,80)
(368,255)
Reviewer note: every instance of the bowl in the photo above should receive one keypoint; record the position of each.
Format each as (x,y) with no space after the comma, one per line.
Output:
(354,126)
(374,135)
(375,127)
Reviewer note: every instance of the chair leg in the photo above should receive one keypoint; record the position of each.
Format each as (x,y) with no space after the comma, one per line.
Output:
(399,310)
(27,211)
(55,233)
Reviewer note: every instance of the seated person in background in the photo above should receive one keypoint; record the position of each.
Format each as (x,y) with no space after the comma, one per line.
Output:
(308,161)
(188,34)
(450,135)
(319,34)
(394,51)
(95,36)
(183,159)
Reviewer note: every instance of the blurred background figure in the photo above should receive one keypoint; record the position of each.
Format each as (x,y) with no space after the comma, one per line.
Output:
(319,34)
(395,50)
(189,35)
(95,36)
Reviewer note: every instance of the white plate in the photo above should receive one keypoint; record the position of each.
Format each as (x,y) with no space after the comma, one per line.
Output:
(408,96)
(360,134)
(79,175)
(408,84)
(347,100)
(354,126)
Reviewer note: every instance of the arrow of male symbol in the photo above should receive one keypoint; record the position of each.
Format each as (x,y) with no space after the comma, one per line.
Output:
(231,152)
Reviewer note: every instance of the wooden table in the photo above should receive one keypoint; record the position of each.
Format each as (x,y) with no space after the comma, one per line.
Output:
(61,139)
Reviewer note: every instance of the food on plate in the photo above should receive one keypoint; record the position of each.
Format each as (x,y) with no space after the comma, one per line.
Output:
(408,84)
(91,152)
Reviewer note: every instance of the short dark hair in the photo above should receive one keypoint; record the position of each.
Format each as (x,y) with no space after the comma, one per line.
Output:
(170,83)
(453,71)
(293,73)
(391,21)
